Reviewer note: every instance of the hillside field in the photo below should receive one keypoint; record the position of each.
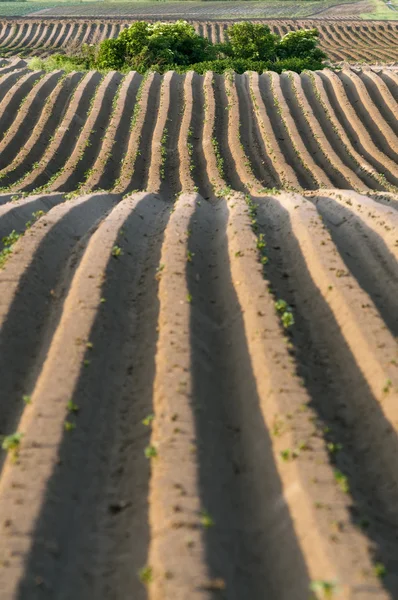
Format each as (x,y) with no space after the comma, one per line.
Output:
(349,41)
(198,321)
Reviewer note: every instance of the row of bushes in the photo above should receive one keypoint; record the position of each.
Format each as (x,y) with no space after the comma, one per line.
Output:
(176,46)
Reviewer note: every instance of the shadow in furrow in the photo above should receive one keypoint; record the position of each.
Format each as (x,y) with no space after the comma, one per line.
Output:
(36,308)
(92,535)
(367,258)
(347,410)
(252,545)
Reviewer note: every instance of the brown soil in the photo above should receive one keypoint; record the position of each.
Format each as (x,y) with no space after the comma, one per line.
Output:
(175,420)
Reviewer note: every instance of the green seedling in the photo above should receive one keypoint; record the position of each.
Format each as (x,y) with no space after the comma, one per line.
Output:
(287,319)
(206,519)
(89,345)
(145,574)
(189,298)
(289,454)
(387,386)
(281,306)
(27,399)
(379,570)
(148,419)
(190,256)
(334,448)
(11,444)
(69,426)
(72,407)
(342,481)
(151,452)
(324,590)
(117,251)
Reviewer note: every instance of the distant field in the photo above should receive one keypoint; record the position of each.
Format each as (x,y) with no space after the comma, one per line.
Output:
(190,10)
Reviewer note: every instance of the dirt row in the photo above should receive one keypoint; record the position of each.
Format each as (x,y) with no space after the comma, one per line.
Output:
(205,389)
(350,41)
(84,132)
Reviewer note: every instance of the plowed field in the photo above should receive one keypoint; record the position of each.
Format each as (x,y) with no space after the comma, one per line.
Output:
(200,363)
(350,41)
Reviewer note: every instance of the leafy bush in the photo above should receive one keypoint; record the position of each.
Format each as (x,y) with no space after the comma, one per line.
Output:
(251,41)
(176,46)
(147,45)
(300,44)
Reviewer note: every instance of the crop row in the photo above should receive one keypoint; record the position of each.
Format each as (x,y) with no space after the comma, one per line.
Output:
(350,41)
(86,131)
(200,395)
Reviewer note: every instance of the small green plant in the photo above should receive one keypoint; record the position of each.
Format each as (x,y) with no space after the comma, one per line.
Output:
(380,570)
(11,444)
(27,399)
(148,419)
(189,298)
(289,454)
(334,448)
(206,519)
(287,319)
(69,426)
(387,386)
(117,251)
(342,481)
(323,589)
(145,574)
(190,256)
(151,452)
(281,305)
(72,407)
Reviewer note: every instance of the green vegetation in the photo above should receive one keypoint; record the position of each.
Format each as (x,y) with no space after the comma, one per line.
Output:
(176,46)
(151,452)
(206,519)
(11,443)
(324,590)
(145,574)
(382,12)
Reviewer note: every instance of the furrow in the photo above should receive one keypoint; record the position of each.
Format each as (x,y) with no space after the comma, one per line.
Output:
(13,98)
(272,97)
(358,134)
(177,544)
(287,177)
(351,219)
(241,162)
(312,172)
(27,117)
(106,168)
(136,162)
(316,91)
(307,482)
(90,139)
(250,135)
(379,130)
(343,352)
(382,98)
(185,139)
(84,523)
(318,143)
(214,167)
(32,297)
(40,137)
(66,136)
(158,173)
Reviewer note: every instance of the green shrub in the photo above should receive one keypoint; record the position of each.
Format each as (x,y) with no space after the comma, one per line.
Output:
(154,45)
(111,55)
(176,46)
(300,44)
(251,41)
